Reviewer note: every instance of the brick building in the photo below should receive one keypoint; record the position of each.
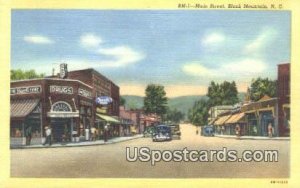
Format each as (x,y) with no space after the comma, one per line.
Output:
(62,104)
(67,103)
(101,87)
(283,94)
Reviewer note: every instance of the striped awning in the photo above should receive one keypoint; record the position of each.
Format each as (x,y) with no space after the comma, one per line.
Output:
(20,108)
(236,118)
(108,118)
(222,120)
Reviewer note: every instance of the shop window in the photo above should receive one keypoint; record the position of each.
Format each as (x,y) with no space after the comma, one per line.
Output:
(82,110)
(16,130)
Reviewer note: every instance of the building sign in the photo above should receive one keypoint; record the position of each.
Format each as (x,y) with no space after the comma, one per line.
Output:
(63,70)
(102,110)
(61,106)
(84,93)
(104,100)
(25,90)
(61,89)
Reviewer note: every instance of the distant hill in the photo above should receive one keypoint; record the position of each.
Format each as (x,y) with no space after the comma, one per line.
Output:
(183,103)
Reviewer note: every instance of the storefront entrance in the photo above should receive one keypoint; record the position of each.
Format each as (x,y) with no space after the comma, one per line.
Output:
(61,129)
(266,119)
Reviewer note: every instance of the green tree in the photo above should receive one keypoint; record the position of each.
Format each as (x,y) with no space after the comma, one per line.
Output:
(21,75)
(155,100)
(222,94)
(174,115)
(122,101)
(218,94)
(262,86)
(199,113)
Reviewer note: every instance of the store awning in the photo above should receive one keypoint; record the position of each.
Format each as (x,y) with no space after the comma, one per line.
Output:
(60,114)
(236,118)
(212,121)
(20,108)
(108,118)
(222,120)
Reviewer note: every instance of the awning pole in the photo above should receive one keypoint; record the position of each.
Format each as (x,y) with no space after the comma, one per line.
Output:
(23,132)
(41,119)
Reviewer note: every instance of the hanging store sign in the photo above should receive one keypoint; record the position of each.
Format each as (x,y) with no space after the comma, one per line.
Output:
(84,93)
(104,100)
(61,89)
(25,90)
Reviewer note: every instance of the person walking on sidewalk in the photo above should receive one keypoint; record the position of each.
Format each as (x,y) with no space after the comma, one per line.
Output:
(270,130)
(48,133)
(93,133)
(238,130)
(28,134)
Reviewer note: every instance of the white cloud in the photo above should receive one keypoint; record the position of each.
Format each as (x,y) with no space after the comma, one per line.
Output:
(121,56)
(261,41)
(245,67)
(238,69)
(196,69)
(213,39)
(89,40)
(116,56)
(37,39)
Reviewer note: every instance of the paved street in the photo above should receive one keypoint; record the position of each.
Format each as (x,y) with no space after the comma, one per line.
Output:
(110,160)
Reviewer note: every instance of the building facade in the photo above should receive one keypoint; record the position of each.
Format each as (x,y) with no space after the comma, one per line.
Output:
(65,105)
(252,118)
(283,94)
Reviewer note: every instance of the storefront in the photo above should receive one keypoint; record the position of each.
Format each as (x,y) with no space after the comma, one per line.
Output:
(61,104)
(108,125)
(235,120)
(260,115)
(219,124)
(25,119)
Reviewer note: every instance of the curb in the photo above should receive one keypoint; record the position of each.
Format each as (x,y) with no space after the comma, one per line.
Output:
(254,138)
(76,145)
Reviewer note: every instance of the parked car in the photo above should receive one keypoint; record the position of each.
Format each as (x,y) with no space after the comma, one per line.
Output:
(208,130)
(162,133)
(148,132)
(175,130)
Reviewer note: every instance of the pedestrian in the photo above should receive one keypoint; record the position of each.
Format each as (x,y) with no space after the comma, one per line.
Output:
(93,133)
(270,130)
(48,133)
(106,132)
(238,130)
(28,135)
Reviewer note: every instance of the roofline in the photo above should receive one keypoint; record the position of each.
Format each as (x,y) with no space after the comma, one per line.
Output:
(72,80)
(97,73)
(284,63)
(274,98)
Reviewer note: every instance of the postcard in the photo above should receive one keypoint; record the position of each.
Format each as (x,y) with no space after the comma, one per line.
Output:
(130,94)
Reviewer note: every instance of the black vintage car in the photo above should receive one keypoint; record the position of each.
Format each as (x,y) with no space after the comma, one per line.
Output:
(162,133)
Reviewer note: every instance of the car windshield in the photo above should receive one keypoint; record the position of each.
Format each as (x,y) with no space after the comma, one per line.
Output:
(162,129)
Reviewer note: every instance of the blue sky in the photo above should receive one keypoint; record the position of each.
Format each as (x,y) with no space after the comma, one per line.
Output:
(183,50)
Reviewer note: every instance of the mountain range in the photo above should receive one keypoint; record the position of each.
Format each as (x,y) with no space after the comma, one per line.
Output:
(182,103)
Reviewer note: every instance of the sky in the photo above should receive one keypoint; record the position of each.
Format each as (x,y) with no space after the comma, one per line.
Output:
(179,49)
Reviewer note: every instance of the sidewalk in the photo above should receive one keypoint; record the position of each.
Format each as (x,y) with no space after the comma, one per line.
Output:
(253,137)
(78,144)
